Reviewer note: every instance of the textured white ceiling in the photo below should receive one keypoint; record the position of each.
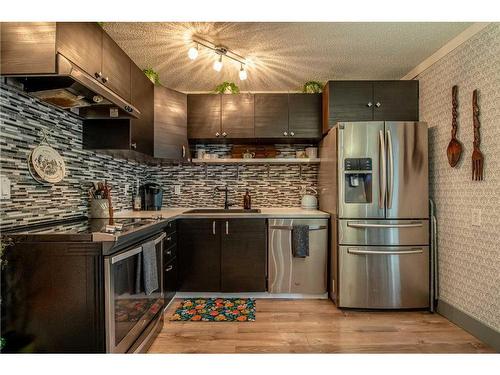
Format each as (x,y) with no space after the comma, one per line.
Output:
(282,55)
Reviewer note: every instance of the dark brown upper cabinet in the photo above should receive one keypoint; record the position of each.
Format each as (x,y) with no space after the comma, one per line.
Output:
(369,100)
(18,42)
(304,115)
(271,115)
(395,100)
(237,116)
(81,43)
(170,124)
(116,66)
(204,116)
(142,97)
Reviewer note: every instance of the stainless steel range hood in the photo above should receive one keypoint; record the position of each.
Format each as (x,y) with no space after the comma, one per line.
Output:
(71,87)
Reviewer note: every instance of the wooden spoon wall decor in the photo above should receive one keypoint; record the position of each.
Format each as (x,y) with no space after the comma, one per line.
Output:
(454,150)
(477,156)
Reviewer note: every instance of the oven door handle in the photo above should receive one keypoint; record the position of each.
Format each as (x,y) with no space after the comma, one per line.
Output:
(135,250)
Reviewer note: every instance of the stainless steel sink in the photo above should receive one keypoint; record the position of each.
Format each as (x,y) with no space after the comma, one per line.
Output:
(222,211)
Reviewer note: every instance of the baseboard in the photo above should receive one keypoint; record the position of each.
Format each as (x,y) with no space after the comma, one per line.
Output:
(480,330)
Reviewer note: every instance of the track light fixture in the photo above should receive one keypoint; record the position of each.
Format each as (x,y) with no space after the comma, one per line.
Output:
(222,52)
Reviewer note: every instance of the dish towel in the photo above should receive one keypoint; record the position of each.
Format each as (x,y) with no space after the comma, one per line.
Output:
(149,267)
(300,241)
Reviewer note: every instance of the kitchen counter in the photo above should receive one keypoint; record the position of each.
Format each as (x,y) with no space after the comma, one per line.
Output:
(271,213)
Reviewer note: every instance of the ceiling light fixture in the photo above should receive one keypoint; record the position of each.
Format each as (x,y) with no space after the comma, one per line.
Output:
(221,51)
(243,73)
(193,52)
(218,64)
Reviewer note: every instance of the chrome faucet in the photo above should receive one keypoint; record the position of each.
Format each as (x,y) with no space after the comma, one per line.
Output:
(226,192)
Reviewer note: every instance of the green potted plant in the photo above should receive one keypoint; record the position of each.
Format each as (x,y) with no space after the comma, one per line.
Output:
(152,75)
(227,88)
(312,87)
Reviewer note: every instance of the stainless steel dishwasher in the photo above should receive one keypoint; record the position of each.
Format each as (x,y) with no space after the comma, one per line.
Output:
(297,275)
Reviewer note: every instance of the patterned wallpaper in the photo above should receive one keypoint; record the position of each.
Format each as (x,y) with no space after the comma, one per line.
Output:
(469,256)
(23,117)
(21,120)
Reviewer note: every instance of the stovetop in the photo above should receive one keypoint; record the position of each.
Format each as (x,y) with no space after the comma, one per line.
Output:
(115,232)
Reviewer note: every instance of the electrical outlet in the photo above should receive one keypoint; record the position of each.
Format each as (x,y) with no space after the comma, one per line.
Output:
(476,217)
(4,188)
(177,189)
(127,187)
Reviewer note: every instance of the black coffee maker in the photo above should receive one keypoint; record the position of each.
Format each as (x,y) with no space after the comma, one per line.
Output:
(151,196)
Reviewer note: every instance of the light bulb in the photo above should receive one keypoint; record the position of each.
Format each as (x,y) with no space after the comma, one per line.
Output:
(193,53)
(218,65)
(243,73)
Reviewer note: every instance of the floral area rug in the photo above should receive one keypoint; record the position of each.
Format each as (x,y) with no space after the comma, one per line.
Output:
(216,310)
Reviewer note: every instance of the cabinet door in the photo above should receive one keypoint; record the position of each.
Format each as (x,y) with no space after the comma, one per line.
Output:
(304,115)
(199,255)
(237,116)
(142,97)
(81,43)
(170,124)
(243,255)
(395,100)
(204,116)
(115,67)
(349,101)
(271,115)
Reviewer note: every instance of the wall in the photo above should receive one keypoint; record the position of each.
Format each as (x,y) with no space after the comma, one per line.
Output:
(21,120)
(469,256)
(23,117)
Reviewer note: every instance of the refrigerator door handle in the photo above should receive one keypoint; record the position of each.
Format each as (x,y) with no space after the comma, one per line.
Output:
(391,170)
(383,179)
(363,225)
(385,252)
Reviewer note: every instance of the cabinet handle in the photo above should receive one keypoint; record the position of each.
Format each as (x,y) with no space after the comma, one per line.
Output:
(105,79)
(224,134)
(213,227)
(133,145)
(217,134)
(292,134)
(169,268)
(369,104)
(169,238)
(169,252)
(227,227)
(183,151)
(98,74)
(285,134)
(377,104)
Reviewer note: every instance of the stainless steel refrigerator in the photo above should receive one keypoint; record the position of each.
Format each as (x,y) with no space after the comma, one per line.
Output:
(373,180)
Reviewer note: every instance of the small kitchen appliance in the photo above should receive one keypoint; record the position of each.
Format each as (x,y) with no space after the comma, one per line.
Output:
(151,196)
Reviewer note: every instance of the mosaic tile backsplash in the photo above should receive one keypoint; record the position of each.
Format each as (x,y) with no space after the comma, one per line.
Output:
(469,256)
(21,120)
(23,117)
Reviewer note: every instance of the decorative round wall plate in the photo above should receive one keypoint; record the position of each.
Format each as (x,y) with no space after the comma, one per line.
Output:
(48,164)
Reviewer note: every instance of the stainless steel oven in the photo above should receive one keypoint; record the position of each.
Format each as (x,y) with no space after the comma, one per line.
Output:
(129,309)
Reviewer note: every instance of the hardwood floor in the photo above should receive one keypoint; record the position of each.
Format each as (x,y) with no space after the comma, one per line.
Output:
(317,326)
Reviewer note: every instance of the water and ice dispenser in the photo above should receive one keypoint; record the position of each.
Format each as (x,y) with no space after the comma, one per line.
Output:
(358,180)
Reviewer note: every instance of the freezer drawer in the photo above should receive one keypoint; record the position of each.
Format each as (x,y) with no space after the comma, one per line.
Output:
(297,275)
(384,277)
(383,232)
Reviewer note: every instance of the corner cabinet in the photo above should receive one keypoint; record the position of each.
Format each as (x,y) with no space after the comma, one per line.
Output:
(170,124)
(369,100)
(222,255)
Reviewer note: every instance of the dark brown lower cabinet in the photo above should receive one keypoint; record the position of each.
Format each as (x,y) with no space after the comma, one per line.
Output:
(243,255)
(222,255)
(170,280)
(199,255)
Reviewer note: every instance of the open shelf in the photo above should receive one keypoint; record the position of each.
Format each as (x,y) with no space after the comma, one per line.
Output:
(258,161)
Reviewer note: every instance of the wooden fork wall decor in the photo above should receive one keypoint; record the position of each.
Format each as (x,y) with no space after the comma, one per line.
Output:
(477,156)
